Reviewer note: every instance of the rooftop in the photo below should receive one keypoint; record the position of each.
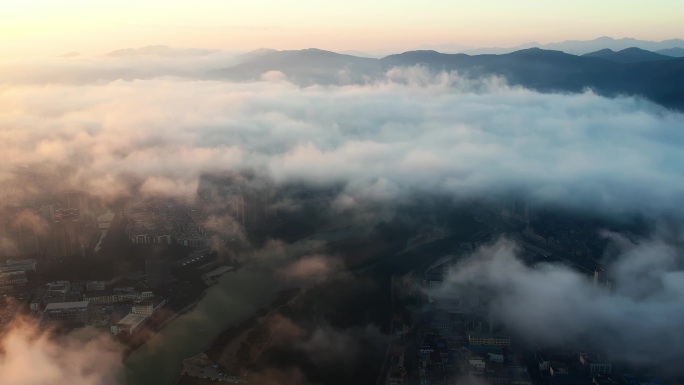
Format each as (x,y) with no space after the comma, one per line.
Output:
(486,335)
(98,293)
(12,273)
(20,261)
(67,305)
(132,320)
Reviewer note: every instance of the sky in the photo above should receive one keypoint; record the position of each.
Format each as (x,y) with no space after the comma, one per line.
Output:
(37,27)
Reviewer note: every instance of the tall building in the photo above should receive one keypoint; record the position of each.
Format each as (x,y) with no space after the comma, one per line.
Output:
(65,239)
(598,276)
(48,212)
(158,271)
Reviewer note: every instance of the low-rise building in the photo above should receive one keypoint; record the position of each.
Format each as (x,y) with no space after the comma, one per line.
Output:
(559,369)
(40,300)
(128,324)
(494,357)
(57,289)
(67,312)
(595,363)
(13,278)
(145,308)
(19,265)
(99,297)
(36,301)
(519,378)
(195,241)
(488,340)
(112,297)
(96,285)
(496,374)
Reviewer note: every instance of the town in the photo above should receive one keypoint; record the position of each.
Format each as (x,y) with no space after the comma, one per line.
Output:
(131,269)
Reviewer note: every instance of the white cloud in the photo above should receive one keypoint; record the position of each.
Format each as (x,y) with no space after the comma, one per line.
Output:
(410,131)
(553,305)
(31,357)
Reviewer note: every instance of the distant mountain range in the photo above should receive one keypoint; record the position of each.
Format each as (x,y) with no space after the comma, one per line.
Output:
(674,52)
(631,71)
(672,47)
(628,55)
(581,47)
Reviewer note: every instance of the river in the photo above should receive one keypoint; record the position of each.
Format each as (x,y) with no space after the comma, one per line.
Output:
(236,297)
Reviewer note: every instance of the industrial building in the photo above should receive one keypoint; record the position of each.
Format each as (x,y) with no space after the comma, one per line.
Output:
(128,324)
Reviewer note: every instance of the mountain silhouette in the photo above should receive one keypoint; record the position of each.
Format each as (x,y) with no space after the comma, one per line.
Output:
(674,52)
(307,66)
(632,71)
(581,47)
(628,55)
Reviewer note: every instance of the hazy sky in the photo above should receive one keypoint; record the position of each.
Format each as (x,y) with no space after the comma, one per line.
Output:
(35,27)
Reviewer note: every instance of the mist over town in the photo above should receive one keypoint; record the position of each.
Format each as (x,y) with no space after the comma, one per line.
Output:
(448,213)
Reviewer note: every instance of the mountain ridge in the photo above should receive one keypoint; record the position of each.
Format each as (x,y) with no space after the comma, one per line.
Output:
(628,55)
(581,47)
(661,81)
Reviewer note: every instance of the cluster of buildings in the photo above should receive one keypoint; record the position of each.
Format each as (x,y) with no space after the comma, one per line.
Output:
(165,222)
(139,313)
(14,286)
(200,366)
(456,342)
(68,314)
(249,206)
(541,231)
(25,265)
(601,279)
(168,221)
(117,295)
(14,276)
(574,368)
(451,343)
(47,227)
(455,345)
(60,303)
(67,304)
